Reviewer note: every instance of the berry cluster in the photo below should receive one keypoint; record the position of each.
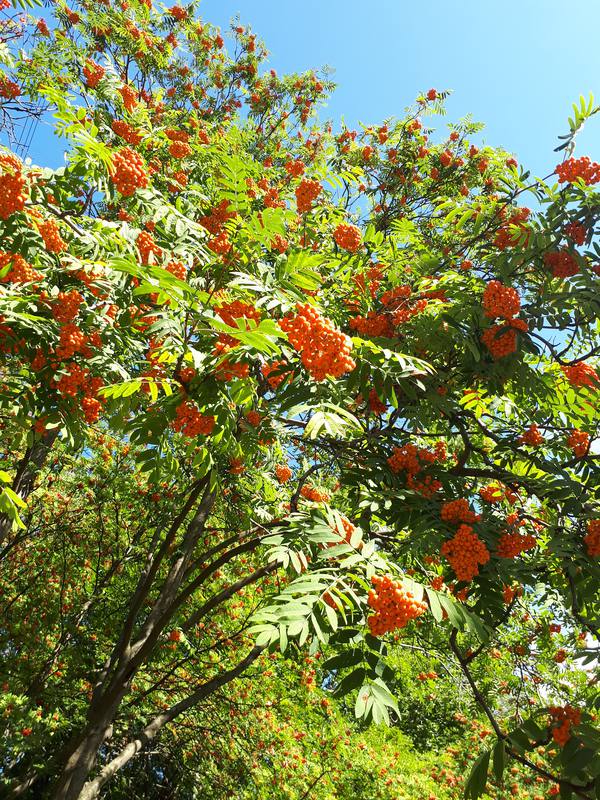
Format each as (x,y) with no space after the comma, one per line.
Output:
(178,269)
(66,306)
(274,373)
(77,379)
(373,324)
(323,348)
(71,340)
(13,186)
(562,264)
(237,309)
(348,237)
(93,74)
(283,473)
(511,229)
(227,369)
(465,552)
(9,89)
(574,169)
(576,232)
(147,247)
(307,192)
(217,217)
(412,459)
(50,233)
(456,511)
(128,173)
(189,421)
(532,436)
(581,374)
(375,403)
(579,441)
(253,418)
(493,493)
(562,718)
(348,528)
(394,605)
(279,243)
(501,340)
(20,270)
(129,97)
(313,494)
(592,538)
(512,544)
(501,301)
(126,131)
(179,149)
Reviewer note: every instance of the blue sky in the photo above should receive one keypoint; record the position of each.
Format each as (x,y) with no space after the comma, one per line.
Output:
(517,66)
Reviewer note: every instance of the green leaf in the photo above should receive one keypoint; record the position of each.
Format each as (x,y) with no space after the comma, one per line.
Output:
(477,781)
(499,759)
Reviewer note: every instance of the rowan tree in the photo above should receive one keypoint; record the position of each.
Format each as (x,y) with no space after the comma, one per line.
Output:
(272,386)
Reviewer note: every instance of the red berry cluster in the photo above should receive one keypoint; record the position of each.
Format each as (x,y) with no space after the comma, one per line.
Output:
(592,538)
(501,301)
(579,442)
(574,169)
(465,552)
(562,719)
(179,149)
(217,217)
(458,510)
(227,370)
(9,89)
(315,495)
(510,230)
(493,493)
(147,247)
(189,421)
(373,324)
(581,374)
(412,459)
(307,192)
(93,74)
(50,233)
(126,131)
(20,270)
(128,173)
(501,340)
(178,269)
(375,404)
(13,186)
(513,543)
(77,379)
(576,231)
(129,97)
(562,264)
(532,436)
(66,306)
(324,349)
(274,373)
(348,237)
(394,605)
(237,309)
(283,473)
(295,169)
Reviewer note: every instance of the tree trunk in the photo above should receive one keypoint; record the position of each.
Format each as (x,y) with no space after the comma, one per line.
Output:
(82,752)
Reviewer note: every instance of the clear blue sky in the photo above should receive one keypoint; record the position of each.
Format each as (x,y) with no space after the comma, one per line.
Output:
(516,65)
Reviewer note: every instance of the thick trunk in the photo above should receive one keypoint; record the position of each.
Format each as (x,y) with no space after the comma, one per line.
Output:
(80,756)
